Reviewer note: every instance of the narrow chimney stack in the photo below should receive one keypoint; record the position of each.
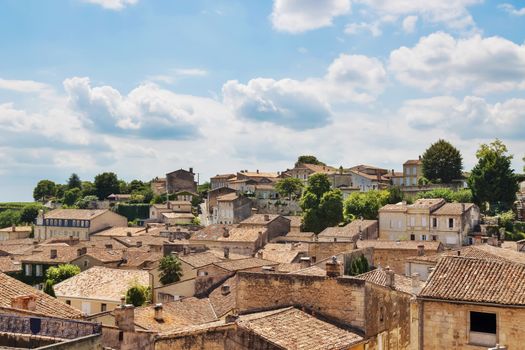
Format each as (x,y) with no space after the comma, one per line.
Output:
(128,234)
(226,232)
(420,250)
(333,267)
(13,228)
(266,217)
(226,253)
(390,277)
(125,318)
(159,317)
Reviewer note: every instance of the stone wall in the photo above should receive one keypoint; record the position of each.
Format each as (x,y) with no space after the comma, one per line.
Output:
(324,250)
(277,206)
(115,338)
(446,325)
(341,299)
(394,258)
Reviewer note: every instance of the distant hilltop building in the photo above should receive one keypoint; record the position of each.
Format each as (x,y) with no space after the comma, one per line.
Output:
(177,181)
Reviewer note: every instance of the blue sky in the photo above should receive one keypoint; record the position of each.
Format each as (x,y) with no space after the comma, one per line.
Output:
(143,87)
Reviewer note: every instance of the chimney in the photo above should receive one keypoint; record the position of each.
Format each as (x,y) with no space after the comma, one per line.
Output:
(257,171)
(226,253)
(128,234)
(420,250)
(305,262)
(158,313)
(266,217)
(415,283)
(108,246)
(53,254)
(260,254)
(24,302)
(79,252)
(185,250)
(168,204)
(125,317)
(333,267)
(390,277)
(84,250)
(231,318)
(167,226)
(254,211)
(226,232)
(13,228)
(147,228)
(225,289)
(139,244)
(191,170)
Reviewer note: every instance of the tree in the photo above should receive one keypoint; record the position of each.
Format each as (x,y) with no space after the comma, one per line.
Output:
(71,196)
(74,182)
(48,288)
(492,179)
(137,295)
(442,162)
(9,217)
(136,186)
(365,205)
(123,187)
(356,266)
(29,213)
(44,190)
(88,189)
(106,184)
(170,269)
(83,203)
(57,274)
(289,186)
(395,195)
(321,206)
(307,159)
(203,189)
(450,196)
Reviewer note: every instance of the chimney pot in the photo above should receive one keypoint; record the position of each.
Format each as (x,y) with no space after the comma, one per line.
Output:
(159,317)
(13,228)
(225,289)
(128,233)
(226,232)
(305,262)
(390,277)
(420,250)
(125,317)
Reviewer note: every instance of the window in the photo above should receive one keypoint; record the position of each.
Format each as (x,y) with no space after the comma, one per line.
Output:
(423,237)
(68,302)
(423,221)
(86,263)
(412,237)
(434,237)
(434,222)
(29,270)
(412,221)
(450,223)
(483,328)
(38,270)
(103,307)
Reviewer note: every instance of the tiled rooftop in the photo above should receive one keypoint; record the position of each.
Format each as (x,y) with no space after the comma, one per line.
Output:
(224,301)
(453,209)
(243,264)
(8,264)
(75,214)
(282,253)
(348,231)
(410,245)
(46,305)
(259,219)
(120,231)
(101,283)
(379,277)
(476,280)
(200,259)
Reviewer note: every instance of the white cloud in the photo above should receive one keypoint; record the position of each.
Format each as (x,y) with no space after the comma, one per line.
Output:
(192,72)
(26,86)
(354,28)
(440,62)
(296,16)
(472,117)
(307,104)
(409,24)
(115,5)
(509,8)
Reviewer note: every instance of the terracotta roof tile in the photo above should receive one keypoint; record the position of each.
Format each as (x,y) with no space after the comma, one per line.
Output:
(75,214)
(244,264)
(349,231)
(282,253)
(8,264)
(46,305)
(259,219)
(379,277)
(453,209)
(408,245)
(223,298)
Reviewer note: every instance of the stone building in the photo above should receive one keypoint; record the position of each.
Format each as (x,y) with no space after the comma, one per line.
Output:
(357,229)
(181,180)
(15,232)
(231,208)
(78,223)
(472,303)
(429,219)
(220,181)
(303,171)
(275,225)
(238,240)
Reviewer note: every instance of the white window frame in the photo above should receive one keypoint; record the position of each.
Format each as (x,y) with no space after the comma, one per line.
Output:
(39,270)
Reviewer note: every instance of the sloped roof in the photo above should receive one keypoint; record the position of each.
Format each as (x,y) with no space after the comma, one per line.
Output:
(243,264)
(8,264)
(45,304)
(223,302)
(409,245)
(75,214)
(476,280)
(348,231)
(379,277)
(453,209)
(101,283)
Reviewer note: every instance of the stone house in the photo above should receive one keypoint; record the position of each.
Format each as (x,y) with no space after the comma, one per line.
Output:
(99,289)
(181,180)
(213,194)
(15,232)
(220,181)
(156,210)
(231,209)
(357,229)
(238,240)
(303,171)
(412,172)
(275,225)
(429,219)
(76,223)
(490,311)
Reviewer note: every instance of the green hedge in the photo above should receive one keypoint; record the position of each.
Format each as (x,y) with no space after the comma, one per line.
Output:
(132,211)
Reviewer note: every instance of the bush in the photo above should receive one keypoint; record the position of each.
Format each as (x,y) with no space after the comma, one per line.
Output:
(57,274)
(138,295)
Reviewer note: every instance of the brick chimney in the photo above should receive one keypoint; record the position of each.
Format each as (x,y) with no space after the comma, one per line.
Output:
(24,302)
(159,317)
(390,277)
(305,262)
(53,254)
(128,234)
(266,217)
(125,317)
(333,267)
(226,232)
(226,253)
(420,250)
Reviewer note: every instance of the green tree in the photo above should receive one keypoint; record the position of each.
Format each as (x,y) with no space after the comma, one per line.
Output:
(74,182)
(71,196)
(365,205)
(83,203)
(492,180)
(442,162)
(123,187)
(9,217)
(44,190)
(321,206)
(137,295)
(203,189)
(29,213)
(289,186)
(106,184)
(136,186)
(88,189)
(48,288)
(450,196)
(308,159)
(57,274)
(356,266)
(170,269)
(395,195)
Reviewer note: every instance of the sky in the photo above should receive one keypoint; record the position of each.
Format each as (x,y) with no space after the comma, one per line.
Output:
(145,87)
